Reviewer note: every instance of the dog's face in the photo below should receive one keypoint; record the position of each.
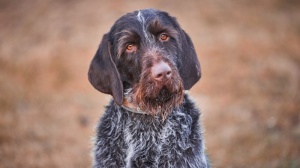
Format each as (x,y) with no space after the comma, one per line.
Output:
(147,53)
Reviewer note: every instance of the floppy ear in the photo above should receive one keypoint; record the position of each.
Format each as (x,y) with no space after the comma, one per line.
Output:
(190,70)
(103,74)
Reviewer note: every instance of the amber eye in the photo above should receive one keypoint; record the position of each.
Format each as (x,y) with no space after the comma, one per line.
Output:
(131,48)
(164,37)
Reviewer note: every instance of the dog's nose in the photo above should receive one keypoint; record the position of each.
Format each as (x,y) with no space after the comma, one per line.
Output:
(161,70)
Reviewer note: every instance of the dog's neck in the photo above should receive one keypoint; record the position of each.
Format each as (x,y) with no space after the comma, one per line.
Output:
(133,107)
(129,104)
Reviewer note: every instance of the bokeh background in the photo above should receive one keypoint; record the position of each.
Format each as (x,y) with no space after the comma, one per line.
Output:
(249,93)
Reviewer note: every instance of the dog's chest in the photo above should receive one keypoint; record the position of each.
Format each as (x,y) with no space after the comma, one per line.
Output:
(149,142)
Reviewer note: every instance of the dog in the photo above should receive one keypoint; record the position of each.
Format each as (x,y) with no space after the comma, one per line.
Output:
(147,63)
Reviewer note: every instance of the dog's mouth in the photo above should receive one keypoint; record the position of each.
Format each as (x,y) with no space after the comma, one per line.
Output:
(158,98)
(163,96)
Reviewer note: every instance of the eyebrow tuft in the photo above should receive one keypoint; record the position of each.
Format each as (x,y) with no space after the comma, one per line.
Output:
(156,28)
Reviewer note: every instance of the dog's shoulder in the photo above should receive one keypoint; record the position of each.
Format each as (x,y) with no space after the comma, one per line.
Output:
(111,118)
(189,107)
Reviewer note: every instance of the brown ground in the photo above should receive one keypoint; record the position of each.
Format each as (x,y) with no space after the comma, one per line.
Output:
(249,93)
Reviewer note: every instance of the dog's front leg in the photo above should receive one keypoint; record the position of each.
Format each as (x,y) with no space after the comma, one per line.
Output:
(109,142)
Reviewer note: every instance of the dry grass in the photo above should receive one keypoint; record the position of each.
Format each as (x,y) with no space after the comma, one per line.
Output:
(249,93)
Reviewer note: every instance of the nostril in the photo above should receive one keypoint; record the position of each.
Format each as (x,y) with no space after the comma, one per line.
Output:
(168,73)
(159,76)
(161,70)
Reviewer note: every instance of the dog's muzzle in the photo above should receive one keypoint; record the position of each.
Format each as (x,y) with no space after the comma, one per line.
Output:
(161,71)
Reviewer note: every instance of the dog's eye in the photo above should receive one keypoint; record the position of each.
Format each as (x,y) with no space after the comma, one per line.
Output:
(131,48)
(164,37)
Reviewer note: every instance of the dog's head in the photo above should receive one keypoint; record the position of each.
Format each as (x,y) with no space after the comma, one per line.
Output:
(148,53)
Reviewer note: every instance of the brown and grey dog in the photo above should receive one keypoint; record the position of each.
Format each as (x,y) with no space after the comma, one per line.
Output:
(146,62)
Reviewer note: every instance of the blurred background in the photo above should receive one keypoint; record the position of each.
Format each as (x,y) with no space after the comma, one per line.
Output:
(249,94)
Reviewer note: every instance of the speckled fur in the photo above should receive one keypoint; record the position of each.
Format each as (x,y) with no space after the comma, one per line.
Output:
(127,140)
(169,134)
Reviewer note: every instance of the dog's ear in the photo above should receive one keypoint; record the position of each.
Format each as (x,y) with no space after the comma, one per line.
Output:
(103,74)
(190,70)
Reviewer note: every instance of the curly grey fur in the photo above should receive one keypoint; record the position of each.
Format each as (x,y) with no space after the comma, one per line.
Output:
(126,140)
(169,135)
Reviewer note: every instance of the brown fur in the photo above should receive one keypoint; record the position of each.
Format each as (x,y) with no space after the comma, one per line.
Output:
(158,97)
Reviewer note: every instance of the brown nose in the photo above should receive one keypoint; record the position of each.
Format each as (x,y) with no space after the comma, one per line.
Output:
(161,70)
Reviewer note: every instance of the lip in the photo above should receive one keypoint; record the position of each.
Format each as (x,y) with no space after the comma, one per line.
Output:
(164,95)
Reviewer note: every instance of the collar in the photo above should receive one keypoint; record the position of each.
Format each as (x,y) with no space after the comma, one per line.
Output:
(127,105)
(132,107)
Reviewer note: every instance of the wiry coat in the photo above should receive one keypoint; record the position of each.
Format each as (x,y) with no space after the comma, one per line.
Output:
(149,56)
(126,139)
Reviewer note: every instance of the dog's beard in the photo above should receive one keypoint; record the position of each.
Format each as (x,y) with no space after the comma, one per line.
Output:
(156,97)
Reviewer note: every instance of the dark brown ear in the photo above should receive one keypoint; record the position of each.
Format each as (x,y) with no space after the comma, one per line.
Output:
(103,74)
(190,70)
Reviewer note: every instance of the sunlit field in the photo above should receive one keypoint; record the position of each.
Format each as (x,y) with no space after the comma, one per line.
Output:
(249,93)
